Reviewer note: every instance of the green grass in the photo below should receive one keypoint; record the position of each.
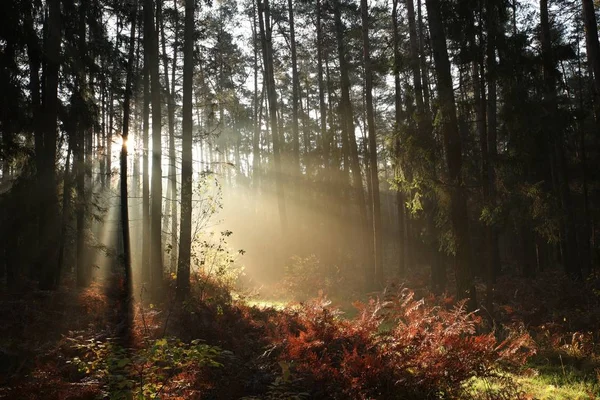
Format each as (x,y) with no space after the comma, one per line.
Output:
(544,379)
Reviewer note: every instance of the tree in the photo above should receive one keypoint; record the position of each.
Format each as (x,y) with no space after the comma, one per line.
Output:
(374,170)
(47,176)
(185,235)
(264,21)
(123,175)
(295,93)
(151,47)
(593,49)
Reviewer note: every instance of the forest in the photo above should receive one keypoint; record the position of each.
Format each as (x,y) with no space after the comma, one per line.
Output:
(299,199)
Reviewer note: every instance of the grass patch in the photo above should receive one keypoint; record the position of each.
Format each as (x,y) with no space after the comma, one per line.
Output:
(541,381)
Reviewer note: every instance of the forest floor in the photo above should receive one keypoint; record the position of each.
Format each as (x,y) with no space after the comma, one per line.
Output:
(65,345)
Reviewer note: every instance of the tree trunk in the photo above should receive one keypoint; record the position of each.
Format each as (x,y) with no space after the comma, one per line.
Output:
(255,109)
(83,273)
(185,236)
(171,204)
(49,259)
(295,94)
(453,148)
(325,140)
(397,143)
(172,150)
(593,50)
(128,292)
(349,146)
(375,200)
(151,47)
(267,48)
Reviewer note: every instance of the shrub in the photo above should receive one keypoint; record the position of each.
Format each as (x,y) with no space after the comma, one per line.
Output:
(430,351)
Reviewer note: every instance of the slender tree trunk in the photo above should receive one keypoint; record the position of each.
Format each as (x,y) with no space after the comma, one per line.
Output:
(151,47)
(126,304)
(172,150)
(493,260)
(453,149)
(185,236)
(295,93)
(255,109)
(349,145)
(146,243)
(65,212)
(375,200)
(82,128)
(593,50)
(267,47)
(423,62)
(397,143)
(171,205)
(325,140)
(49,259)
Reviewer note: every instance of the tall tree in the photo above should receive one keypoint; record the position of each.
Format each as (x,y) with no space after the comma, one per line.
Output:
(48,173)
(185,236)
(349,146)
(401,209)
(82,128)
(266,37)
(151,47)
(373,167)
(593,49)
(295,92)
(123,175)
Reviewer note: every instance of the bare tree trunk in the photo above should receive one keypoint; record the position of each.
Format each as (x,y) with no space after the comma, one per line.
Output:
(349,146)
(151,47)
(49,217)
(375,200)
(266,40)
(593,50)
(172,151)
(80,153)
(325,140)
(185,237)
(256,106)
(295,94)
(128,292)
(397,143)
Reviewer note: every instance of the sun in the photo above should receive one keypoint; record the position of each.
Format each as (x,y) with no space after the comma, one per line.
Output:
(117,144)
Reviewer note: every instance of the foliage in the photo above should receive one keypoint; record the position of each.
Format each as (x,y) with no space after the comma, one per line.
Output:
(429,352)
(141,373)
